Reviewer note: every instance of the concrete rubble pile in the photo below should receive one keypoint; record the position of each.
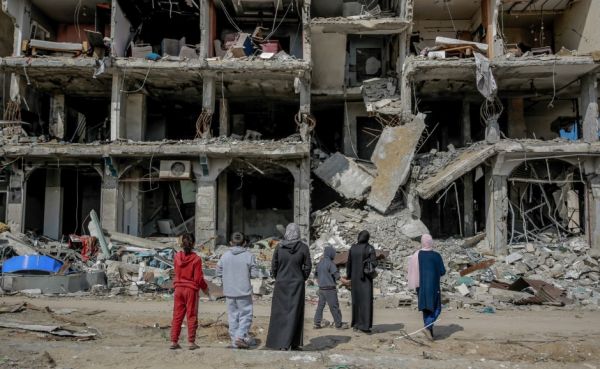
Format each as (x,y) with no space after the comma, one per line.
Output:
(560,273)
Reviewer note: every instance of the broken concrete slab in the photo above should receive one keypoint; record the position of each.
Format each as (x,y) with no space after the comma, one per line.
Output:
(51,329)
(464,163)
(393,156)
(411,227)
(53,284)
(345,176)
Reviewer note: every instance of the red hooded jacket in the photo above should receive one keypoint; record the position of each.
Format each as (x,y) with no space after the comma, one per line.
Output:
(188,272)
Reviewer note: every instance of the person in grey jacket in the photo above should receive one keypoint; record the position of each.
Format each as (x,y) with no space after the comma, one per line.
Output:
(327,275)
(236,267)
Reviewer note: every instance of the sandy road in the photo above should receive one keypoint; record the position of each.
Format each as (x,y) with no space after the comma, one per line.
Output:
(134,334)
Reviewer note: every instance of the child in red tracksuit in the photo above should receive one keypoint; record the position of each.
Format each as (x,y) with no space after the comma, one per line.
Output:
(189,279)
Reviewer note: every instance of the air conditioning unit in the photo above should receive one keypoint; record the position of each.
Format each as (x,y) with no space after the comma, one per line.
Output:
(175,169)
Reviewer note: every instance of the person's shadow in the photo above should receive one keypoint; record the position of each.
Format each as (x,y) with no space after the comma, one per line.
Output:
(442,332)
(383,328)
(325,342)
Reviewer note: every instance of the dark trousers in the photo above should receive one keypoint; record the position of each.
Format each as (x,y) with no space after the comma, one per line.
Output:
(330,297)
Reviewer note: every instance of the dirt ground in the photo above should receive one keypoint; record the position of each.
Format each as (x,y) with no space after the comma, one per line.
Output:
(134,333)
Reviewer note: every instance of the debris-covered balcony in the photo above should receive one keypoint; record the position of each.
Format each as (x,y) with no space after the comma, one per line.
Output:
(361,17)
(60,29)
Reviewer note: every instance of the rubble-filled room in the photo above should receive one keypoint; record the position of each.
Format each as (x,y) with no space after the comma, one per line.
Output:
(157,198)
(259,199)
(64,28)
(271,30)
(441,28)
(154,29)
(59,198)
(546,202)
(355,8)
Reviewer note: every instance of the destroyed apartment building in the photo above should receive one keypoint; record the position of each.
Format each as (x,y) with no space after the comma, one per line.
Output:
(461,118)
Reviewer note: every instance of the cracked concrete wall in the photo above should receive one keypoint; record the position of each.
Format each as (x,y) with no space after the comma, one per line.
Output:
(329,60)
(578,27)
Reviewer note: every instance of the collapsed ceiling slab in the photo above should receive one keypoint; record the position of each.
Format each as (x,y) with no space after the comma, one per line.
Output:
(466,161)
(393,157)
(345,176)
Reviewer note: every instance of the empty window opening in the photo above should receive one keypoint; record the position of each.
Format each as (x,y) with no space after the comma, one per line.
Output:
(161,27)
(546,202)
(258,202)
(59,200)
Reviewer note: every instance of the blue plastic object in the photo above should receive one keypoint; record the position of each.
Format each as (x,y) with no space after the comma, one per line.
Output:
(152,56)
(31,264)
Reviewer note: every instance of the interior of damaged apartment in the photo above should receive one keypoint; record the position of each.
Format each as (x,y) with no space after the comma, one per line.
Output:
(126,124)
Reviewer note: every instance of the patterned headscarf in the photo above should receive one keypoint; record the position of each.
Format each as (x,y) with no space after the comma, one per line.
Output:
(292,232)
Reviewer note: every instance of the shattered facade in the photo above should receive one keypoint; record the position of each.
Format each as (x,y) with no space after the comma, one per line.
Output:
(213,116)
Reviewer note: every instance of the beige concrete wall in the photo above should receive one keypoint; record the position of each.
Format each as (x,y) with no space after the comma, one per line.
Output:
(584,18)
(329,60)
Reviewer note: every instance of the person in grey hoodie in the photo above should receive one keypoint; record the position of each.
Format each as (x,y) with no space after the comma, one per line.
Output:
(327,275)
(236,267)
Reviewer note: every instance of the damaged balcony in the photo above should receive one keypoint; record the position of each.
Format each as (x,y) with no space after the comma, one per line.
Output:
(361,17)
(59,35)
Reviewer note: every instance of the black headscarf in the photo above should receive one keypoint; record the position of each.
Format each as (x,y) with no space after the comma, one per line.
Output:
(363,237)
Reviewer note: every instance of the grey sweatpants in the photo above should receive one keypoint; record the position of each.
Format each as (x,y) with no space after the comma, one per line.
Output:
(330,297)
(239,314)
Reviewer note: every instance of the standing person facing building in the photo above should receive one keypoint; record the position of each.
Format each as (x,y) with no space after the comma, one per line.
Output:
(189,280)
(425,269)
(360,271)
(236,267)
(327,275)
(290,267)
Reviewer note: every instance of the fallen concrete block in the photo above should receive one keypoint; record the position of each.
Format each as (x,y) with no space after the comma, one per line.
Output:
(463,290)
(412,228)
(345,176)
(53,284)
(515,256)
(393,156)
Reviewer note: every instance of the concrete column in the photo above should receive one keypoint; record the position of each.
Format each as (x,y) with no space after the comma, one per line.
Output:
(208,94)
(516,118)
(118,108)
(349,132)
(57,116)
(497,212)
(593,210)
(206,171)
(224,121)
(53,204)
(301,172)
(15,207)
(206,210)
(110,199)
(204,29)
(306,39)
(135,117)
(468,212)
(222,210)
(589,107)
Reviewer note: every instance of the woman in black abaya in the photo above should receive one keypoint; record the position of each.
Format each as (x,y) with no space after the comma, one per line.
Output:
(290,267)
(362,284)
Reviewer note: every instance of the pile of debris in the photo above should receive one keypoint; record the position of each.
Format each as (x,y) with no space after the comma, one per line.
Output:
(240,45)
(558,273)
(450,47)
